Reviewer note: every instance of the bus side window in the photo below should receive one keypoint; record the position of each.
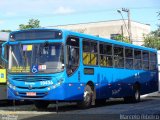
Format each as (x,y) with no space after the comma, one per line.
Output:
(137,59)
(90,53)
(105,55)
(86,52)
(153,61)
(129,58)
(145,60)
(72,54)
(94,53)
(118,57)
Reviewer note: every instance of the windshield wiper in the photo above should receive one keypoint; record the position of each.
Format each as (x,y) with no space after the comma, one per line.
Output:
(21,54)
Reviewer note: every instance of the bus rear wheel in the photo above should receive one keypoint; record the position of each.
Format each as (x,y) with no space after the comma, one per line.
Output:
(135,98)
(40,104)
(87,97)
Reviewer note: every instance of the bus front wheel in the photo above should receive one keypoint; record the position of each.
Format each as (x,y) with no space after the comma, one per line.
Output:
(87,97)
(40,104)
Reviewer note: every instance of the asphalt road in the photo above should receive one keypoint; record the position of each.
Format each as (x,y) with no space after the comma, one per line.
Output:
(114,109)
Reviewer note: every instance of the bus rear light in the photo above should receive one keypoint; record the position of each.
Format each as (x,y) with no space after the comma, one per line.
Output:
(109,84)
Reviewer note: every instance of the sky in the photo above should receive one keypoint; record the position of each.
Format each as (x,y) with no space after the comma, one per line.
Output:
(63,12)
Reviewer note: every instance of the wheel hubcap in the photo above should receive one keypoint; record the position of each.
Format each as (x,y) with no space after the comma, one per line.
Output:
(87,97)
(137,95)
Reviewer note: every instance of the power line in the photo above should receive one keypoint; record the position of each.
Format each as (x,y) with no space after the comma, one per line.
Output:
(79,12)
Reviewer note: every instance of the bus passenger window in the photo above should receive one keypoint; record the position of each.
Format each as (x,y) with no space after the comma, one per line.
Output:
(105,55)
(153,61)
(90,53)
(118,57)
(137,59)
(145,60)
(129,58)
(72,55)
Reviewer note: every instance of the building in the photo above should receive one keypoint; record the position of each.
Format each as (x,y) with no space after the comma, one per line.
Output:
(109,29)
(4,36)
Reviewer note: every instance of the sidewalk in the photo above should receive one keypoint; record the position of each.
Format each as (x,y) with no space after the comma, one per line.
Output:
(154,94)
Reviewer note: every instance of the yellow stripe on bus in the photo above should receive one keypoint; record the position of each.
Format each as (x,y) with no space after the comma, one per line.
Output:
(3,76)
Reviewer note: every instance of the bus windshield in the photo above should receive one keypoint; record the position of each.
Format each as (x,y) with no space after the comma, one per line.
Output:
(44,58)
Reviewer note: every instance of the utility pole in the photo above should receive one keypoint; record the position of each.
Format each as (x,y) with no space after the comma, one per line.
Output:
(122,31)
(129,23)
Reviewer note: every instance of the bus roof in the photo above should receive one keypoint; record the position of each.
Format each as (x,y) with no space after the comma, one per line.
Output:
(94,38)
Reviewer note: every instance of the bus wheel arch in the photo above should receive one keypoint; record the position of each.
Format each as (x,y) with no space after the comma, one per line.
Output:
(136,86)
(91,84)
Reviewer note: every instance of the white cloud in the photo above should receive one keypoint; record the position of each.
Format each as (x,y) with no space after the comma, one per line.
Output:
(1,22)
(64,10)
(10,14)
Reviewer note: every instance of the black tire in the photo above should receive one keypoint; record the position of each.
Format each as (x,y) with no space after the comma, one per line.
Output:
(133,99)
(40,104)
(87,98)
(136,97)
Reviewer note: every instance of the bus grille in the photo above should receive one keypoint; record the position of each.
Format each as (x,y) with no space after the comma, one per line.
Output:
(32,78)
(32,87)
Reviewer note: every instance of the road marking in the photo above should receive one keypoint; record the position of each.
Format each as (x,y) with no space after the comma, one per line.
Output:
(2,112)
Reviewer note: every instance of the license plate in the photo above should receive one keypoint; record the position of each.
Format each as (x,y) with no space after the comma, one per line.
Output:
(31,93)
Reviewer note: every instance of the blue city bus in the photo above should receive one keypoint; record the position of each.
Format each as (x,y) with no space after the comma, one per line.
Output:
(48,65)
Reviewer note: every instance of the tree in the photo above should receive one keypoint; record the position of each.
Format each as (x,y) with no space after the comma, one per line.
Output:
(153,39)
(5,30)
(121,38)
(33,23)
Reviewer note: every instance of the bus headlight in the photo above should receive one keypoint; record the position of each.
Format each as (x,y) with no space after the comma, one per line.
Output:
(49,88)
(11,86)
(14,87)
(60,81)
(54,86)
